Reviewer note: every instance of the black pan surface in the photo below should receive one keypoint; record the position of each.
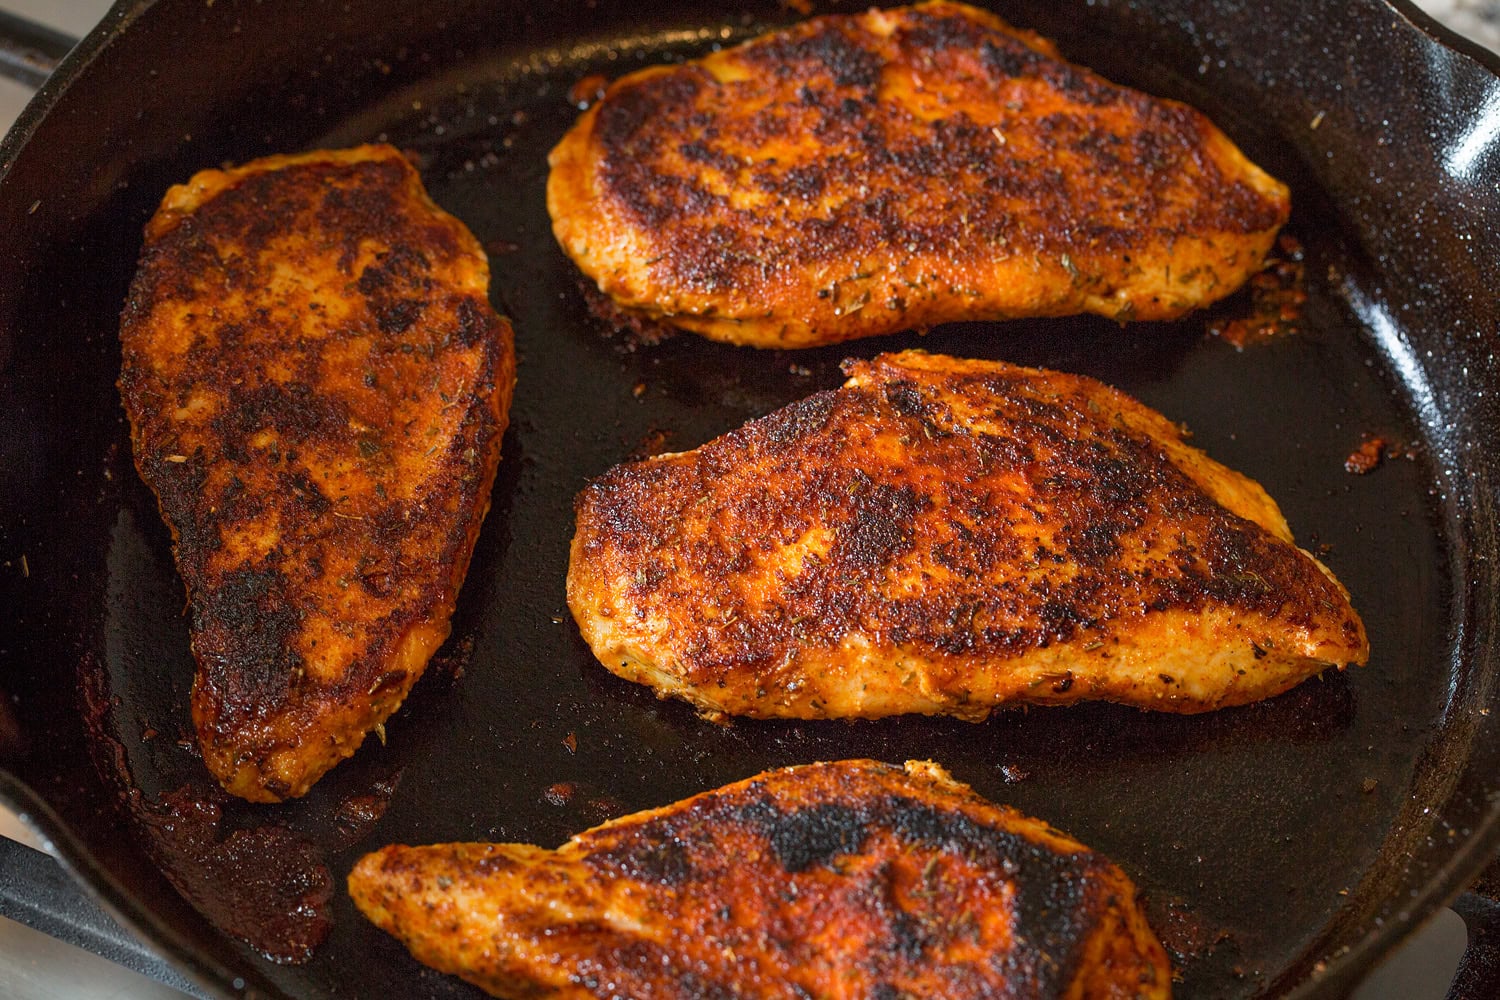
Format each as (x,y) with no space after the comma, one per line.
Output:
(1281,845)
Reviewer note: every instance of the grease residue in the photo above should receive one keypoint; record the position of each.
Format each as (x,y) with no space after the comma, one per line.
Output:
(636,330)
(1277,295)
(1183,931)
(266,885)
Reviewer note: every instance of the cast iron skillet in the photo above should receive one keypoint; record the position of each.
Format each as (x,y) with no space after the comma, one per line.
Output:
(1283,846)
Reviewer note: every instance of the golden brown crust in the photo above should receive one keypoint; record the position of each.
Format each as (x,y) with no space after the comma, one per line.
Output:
(317,387)
(861,174)
(844,880)
(946,536)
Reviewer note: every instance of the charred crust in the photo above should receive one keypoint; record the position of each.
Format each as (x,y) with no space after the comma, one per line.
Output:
(650,858)
(797,421)
(881,523)
(837,58)
(402,266)
(812,836)
(242,635)
(874,845)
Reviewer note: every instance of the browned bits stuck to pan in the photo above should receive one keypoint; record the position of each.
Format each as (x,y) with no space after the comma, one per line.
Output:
(1276,297)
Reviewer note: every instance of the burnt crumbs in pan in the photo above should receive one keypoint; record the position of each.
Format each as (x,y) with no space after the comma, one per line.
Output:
(851,879)
(946,536)
(863,174)
(317,387)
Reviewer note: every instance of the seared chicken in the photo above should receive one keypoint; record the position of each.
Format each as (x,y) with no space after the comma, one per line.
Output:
(945,536)
(861,174)
(317,388)
(846,880)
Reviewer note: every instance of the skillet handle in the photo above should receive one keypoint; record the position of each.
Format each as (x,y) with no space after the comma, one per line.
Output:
(29,52)
(1478,975)
(35,891)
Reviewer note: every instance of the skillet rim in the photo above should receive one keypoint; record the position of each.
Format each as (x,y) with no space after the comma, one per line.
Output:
(1338,974)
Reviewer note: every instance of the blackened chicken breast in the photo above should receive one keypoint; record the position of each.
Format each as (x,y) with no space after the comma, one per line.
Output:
(844,881)
(866,173)
(317,387)
(944,536)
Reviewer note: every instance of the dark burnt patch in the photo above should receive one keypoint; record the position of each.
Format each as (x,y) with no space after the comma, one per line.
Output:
(402,266)
(366,199)
(613,503)
(476,324)
(632,106)
(929,32)
(655,856)
(909,936)
(243,630)
(794,423)
(821,49)
(802,183)
(394,318)
(904,397)
(628,128)
(1052,891)
(702,153)
(179,481)
(1052,899)
(712,256)
(665,862)
(397,286)
(880,524)
(296,411)
(1008,58)
(815,836)
(304,488)
(1239,573)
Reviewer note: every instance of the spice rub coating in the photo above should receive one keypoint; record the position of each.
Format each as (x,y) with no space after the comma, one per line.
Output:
(849,880)
(944,536)
(862,174)
(317,387)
